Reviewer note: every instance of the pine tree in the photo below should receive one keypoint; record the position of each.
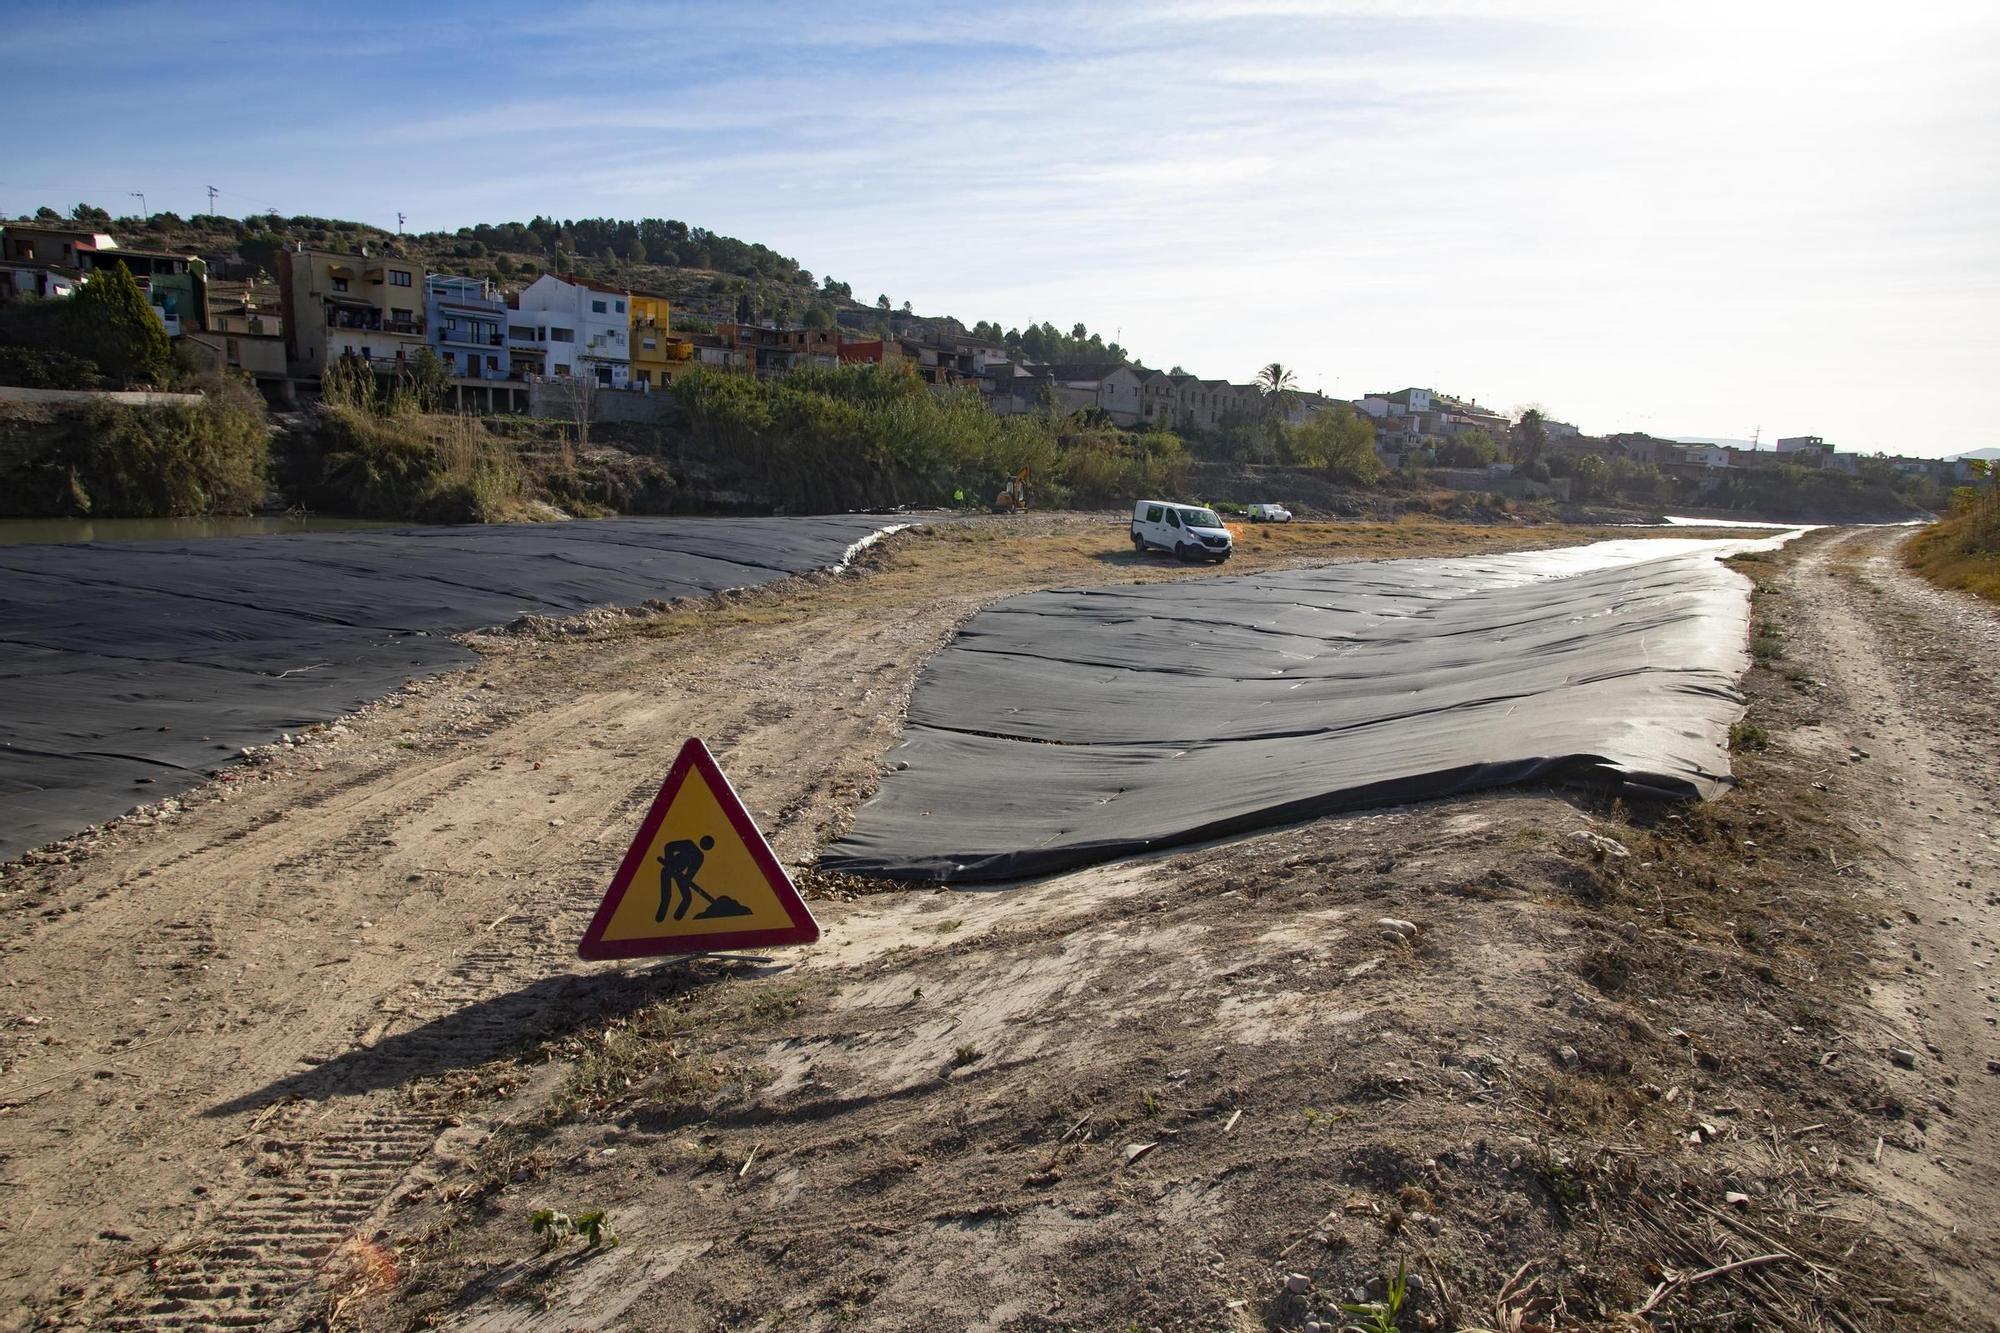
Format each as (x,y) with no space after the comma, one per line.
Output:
(108,321)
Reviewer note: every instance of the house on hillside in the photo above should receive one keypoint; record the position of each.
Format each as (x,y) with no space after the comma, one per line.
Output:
(52,261)
(1073,387)
(572,325)
(45,261)
(465,322)
(870,351)
(1201,404)
(1019,393)
(765,347)
(1805,450)
(716,352)
(657,354)
(1156,398)
(351,305)
(1638,447)
(1121,395)
(246,332)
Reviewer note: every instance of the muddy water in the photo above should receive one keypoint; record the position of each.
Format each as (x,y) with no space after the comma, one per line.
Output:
(36,531)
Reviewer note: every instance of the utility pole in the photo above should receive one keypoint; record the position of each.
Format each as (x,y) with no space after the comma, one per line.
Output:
(140,195)
(212,192)
(400,220)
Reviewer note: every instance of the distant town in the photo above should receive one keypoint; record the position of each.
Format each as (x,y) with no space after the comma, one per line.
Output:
(520,349)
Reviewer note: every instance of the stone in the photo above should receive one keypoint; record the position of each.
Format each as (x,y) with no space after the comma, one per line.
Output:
(1904,1057)
(1298,1284)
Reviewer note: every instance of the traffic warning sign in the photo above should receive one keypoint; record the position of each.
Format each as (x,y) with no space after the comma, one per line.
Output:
(699,876)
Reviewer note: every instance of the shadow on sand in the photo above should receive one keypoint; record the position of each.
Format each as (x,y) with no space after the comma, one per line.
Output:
(488,1028)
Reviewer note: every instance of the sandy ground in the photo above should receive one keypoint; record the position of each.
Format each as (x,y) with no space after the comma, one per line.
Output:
(312,1046)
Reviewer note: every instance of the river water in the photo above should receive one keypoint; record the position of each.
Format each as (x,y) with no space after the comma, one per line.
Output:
(37,531)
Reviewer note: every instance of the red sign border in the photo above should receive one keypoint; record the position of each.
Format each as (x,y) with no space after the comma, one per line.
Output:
(803,930)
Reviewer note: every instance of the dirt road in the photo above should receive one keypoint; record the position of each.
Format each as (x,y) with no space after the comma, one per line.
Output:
(312,1045)
(1918,674)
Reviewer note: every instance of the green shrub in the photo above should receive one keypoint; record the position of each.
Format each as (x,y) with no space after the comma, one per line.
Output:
(860,436)
(47,368)
(115,461)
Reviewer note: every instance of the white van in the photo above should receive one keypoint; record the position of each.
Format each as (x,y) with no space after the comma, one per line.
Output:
(1270,514)
(1189,531)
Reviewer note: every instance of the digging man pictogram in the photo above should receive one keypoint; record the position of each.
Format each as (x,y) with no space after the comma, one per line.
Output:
(680,861)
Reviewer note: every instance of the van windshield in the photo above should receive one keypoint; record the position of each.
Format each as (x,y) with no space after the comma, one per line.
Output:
(1200,518)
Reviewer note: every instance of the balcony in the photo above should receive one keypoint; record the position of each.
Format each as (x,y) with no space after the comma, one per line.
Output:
(370,321)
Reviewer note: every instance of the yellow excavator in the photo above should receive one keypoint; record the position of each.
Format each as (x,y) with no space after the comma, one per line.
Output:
(1014,495)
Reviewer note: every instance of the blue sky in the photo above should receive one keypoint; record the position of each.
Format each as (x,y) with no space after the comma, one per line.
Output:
(1696,218)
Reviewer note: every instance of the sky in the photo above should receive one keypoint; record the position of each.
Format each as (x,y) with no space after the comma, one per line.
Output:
(1690,218)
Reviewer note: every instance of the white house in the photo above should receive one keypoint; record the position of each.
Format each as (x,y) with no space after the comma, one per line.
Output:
(573,326)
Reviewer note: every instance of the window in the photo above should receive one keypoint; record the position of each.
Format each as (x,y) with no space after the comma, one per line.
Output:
(398,278)
(597,307)
(235,352)
(403,315)
(620,305)
(649,343)
(1153,514)
(493,363)
(645,377)
(340,284)
(557,335)
(1173,519)
(522,333)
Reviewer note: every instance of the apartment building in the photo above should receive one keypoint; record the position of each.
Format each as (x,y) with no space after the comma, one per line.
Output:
(354,305)
(563,325)
(465,321)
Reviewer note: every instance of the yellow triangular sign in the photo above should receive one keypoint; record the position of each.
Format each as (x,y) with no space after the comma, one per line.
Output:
(699,876)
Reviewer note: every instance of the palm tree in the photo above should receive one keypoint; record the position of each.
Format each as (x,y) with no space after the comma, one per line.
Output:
(1280,388)
(1530,436)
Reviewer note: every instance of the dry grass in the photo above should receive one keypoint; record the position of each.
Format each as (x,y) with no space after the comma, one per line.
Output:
(1962,551)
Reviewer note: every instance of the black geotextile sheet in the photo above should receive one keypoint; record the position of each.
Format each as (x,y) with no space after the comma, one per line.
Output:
(128,660)
(1062,728)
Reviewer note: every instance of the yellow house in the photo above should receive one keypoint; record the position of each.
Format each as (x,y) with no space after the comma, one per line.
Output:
(657,355)
(336,305)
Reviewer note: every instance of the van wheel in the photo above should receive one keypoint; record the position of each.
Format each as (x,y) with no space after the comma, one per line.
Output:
(1138,543)
(1183,553)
